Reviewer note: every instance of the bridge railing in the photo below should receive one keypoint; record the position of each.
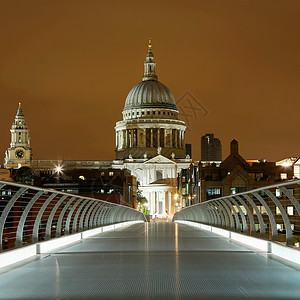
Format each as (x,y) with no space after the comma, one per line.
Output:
(271,212)
(29,214)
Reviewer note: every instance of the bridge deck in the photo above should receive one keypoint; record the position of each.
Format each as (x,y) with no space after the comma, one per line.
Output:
(152,261)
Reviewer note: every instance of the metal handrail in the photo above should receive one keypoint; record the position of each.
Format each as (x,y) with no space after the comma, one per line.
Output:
(257,212)
(30,214)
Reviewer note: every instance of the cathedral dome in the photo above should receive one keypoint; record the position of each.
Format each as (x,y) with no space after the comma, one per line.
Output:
(150,94)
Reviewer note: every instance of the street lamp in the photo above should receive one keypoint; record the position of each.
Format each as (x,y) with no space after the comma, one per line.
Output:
(58,169)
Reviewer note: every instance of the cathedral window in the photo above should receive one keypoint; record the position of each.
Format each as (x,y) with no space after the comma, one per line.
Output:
(153,112)
(111,173)
(159,112)
(148,112)
(143,112)
(159,175)
(164,112)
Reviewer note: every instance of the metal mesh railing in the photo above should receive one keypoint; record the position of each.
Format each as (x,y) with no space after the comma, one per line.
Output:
(29,214)
(271,212)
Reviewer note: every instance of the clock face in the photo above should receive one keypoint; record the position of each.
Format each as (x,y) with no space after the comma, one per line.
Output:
(19,153)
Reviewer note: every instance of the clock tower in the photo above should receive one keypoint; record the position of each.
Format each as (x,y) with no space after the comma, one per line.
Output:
(19,153)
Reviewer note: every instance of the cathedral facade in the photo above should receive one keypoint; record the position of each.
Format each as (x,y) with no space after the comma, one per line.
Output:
(150,140)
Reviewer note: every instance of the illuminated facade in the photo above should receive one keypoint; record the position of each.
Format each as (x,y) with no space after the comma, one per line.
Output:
(150,120)
(19,152)
(208,180)
(150,140)
(293,162)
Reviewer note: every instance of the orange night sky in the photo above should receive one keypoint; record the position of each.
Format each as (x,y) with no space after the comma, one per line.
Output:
(72,64)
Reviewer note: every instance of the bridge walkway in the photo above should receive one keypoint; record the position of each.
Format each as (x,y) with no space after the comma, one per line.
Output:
(152,261)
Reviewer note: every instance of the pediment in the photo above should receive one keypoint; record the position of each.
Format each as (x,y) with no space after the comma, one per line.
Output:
(159,159)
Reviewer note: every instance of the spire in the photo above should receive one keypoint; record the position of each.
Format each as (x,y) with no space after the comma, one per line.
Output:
(149,65)
(20,111)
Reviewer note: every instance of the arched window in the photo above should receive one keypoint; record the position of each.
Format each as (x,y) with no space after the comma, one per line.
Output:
(159,174)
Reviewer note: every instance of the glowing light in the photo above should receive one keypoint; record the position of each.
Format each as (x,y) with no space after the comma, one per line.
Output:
(176,196)
(58,169)
(286,164)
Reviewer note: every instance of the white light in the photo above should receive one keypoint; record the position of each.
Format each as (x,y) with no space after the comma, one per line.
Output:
(48,246)
(250,241)
(285,252)
(286,164)
(176,196)
(16,255)
(91,232)
(58,169)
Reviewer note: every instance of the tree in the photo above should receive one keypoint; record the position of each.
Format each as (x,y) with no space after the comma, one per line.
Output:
(142,201)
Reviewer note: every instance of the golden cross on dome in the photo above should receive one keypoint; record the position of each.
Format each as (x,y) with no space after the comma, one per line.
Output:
(19,104)
(149,45)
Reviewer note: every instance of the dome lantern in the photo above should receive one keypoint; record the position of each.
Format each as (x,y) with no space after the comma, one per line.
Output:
(149,65)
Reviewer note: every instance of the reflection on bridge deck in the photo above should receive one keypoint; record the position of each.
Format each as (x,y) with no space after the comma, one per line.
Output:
(152,261)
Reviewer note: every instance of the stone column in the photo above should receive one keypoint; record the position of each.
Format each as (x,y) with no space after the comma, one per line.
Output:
(144,132)
(122,139)
(170,201)
(155,202)
(167,201)
(125,138)
(180,139)
(117,138)
(158,137)
(151,130)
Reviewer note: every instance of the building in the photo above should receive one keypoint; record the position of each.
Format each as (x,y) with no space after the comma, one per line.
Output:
(150,140)
(291,161)
(204,181)
(211,148)
(150,150)
(94,179)
(115,186)
(150,119)
(19,152)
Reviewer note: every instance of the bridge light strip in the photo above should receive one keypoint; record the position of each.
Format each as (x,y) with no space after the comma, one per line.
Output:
(284,252)
(18,255)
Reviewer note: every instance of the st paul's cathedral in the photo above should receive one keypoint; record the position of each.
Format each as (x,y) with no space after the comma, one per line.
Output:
(150,142)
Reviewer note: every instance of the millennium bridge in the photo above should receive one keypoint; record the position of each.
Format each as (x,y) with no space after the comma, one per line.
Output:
(61,246)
